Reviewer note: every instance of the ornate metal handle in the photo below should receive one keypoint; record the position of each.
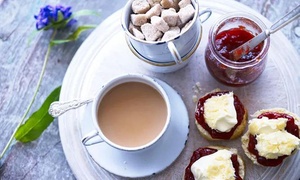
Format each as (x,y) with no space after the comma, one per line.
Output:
(286,19)
(58,108)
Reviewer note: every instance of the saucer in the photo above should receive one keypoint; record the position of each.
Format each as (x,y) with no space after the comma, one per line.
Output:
(150,161)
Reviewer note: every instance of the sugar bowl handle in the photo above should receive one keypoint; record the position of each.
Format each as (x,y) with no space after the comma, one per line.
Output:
(174,52)
(204,14)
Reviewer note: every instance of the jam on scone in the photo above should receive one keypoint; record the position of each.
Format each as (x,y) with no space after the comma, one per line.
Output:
(272,136)
(215,162)
(220,115)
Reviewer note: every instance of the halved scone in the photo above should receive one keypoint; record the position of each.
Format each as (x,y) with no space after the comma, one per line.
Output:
(272,136)
(215,162)
(220,115)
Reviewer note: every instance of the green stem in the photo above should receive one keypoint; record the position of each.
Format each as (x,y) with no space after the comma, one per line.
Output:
(34,96)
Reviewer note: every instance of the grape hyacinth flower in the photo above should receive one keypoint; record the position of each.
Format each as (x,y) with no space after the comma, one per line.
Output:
(56,17)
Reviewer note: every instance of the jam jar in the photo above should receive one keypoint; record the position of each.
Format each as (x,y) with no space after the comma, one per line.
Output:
(228,33)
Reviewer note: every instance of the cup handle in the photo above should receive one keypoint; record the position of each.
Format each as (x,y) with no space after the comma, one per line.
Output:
(175,54)
(206,12)
(90,136)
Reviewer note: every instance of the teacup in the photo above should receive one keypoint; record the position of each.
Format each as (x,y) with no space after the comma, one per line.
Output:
(131,112)
(173,50)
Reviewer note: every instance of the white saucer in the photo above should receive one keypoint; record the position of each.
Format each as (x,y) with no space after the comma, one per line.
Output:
(150,161)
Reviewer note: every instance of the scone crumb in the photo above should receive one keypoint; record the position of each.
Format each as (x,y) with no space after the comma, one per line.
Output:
(198,84)
(196,91)
(195,98)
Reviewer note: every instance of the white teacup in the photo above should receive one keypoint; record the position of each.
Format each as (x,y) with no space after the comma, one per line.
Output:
(171,50)
(131,112)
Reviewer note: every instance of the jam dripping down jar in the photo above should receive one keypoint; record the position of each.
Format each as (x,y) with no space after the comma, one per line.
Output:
(225,35)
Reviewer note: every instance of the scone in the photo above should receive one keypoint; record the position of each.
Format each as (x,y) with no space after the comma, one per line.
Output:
(272,136)
(220,115)
(215,162)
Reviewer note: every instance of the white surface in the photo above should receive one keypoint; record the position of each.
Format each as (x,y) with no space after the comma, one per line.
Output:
(149,161)
(105,54)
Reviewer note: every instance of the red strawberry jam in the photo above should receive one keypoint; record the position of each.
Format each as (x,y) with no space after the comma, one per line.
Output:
(199,115)
(291,127)
(230,39)
(226,35)
(201,152)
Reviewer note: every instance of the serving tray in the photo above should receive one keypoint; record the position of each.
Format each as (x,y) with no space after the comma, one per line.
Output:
(105,54)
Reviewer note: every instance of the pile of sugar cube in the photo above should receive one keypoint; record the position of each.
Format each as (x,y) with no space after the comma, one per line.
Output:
(160,20)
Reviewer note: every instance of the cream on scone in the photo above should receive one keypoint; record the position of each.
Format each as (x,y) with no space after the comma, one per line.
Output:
(273,135)
(215,162)
(220,115)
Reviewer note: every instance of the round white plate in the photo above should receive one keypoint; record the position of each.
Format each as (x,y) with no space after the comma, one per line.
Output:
(105,54)
(149,161)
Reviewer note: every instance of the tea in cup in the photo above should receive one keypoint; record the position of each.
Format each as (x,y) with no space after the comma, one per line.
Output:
(131,112)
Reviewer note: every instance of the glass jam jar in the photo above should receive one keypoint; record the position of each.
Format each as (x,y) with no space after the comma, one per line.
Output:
(225,35)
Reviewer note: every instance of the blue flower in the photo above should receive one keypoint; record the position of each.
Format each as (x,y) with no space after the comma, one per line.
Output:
(54,17)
